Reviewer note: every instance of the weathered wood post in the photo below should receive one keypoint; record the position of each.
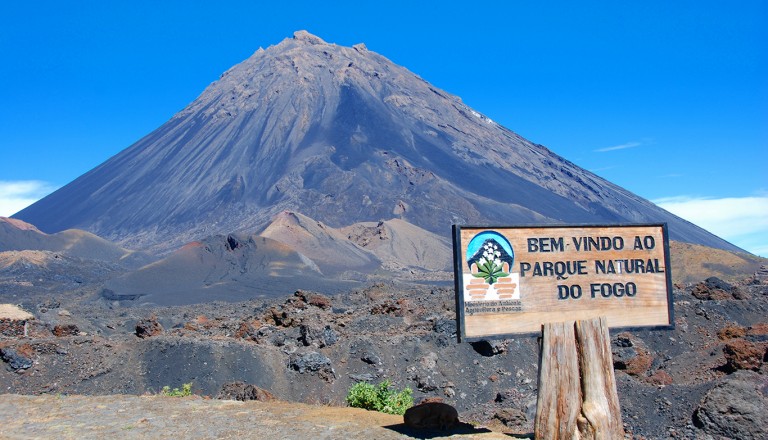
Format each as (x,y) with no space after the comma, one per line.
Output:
(559,388)
(577,387)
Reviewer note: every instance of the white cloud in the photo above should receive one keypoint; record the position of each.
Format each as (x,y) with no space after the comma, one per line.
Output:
(597,170)
(619,147)
(17,195)
(741,220)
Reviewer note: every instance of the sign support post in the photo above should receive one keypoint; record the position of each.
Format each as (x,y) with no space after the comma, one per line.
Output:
(577,387)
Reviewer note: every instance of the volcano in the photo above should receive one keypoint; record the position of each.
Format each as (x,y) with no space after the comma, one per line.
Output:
(340,135)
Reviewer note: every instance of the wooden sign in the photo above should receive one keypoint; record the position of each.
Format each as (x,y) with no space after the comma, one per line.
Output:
(512,280)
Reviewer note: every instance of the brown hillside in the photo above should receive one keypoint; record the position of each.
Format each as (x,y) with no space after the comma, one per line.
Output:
(692,263)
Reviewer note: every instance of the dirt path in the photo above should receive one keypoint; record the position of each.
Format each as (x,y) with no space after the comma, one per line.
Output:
(152,417)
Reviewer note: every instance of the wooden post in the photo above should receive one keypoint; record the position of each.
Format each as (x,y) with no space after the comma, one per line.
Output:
(559,387)
(577,388)
(601,415)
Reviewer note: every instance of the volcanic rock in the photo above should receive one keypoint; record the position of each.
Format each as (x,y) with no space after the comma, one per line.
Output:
(249,329)
(712,289)
(761,275)
(445,326)
(66,330)
(314,363)
(731,332)
(319,337)
(149,327)
(660,377)
(741,354)
(758,332)
(735,408)
(362,377)
(244,392)
(370,357)
(314,299)
(431,415)
(630,355)
(489,348)
(511,417)
(17,358)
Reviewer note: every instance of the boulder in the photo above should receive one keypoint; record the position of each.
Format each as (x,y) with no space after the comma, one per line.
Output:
(741,354)
(735,408)
(65,330)
(319,337)
(313,363)
(387,308)
(243,392)
(445,326)
(511,418)
(18,358)
(432,415)
(280,318)
(362,377)
(370,357)
(731,332)
(489,348)
(630,355)
(712,288)
(508,395)
(314,299)
(758,332)
(249,330)
(149,327)
(660,377)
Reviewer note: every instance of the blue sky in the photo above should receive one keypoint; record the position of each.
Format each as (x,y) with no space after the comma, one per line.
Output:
(667,99)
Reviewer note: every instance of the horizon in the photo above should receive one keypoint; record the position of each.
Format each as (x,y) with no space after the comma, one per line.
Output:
(659,99)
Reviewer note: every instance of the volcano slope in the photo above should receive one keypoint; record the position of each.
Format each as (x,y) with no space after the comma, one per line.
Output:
(341,135)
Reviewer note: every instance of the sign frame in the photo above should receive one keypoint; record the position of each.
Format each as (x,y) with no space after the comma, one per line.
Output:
(459,276)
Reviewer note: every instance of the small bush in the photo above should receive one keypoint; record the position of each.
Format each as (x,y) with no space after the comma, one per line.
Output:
(380,398)
(186,390)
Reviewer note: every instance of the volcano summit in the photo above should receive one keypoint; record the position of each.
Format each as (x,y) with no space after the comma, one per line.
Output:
(340,135)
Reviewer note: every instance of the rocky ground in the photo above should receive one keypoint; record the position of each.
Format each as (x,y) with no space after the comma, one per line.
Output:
(704,379)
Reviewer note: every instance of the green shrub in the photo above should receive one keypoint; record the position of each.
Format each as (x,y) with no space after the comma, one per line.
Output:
(186,390)
(380,398)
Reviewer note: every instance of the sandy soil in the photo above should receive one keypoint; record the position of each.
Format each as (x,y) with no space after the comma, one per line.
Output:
(152,417)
